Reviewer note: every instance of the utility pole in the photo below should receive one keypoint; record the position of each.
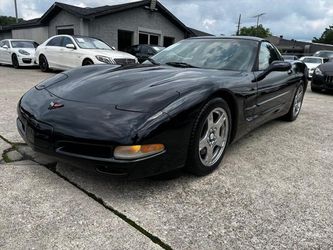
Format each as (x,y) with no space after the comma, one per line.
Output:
(258,16)
(239,23)
(16,11)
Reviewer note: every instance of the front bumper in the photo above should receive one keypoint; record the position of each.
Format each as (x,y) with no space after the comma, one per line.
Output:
(66,137)
(322,82)
(26,60)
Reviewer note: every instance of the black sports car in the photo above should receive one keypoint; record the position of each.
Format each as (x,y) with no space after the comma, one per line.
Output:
(181,109)
(322,77)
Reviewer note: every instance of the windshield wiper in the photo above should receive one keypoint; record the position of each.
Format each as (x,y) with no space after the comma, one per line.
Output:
(180,64)
(153,61)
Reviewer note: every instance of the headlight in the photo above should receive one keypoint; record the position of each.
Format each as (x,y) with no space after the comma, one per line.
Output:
(23,52)
(105,59)
(318,72)
(137,151)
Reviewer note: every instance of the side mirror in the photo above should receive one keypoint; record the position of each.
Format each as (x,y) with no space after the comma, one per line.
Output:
(70,46)
(5,47)
(326,59)
(275,66)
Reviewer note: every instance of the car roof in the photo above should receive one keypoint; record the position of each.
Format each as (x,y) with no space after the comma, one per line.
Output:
(253,38)
(13,40)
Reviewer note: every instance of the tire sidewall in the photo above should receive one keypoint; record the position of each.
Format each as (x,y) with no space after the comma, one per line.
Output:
(194,164)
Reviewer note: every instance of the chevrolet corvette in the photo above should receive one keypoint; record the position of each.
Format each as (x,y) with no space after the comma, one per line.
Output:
(179,109)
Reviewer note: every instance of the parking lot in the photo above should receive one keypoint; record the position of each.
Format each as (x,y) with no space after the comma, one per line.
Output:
(273,190)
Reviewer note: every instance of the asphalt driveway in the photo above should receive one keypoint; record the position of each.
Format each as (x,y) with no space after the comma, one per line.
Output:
(273,189)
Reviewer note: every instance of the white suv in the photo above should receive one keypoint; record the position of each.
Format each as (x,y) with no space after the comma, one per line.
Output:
(65,52)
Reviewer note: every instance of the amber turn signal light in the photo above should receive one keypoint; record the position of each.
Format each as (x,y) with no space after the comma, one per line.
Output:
(137,151)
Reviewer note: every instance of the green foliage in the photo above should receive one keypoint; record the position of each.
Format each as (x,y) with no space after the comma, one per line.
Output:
(326,37)
(261,31)
(7,20)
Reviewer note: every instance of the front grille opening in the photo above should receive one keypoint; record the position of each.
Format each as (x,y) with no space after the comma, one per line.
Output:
(124,61)
(86,149)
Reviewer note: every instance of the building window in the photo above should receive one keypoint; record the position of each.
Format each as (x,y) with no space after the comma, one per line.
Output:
(146,38)
(65,30)
(168,41)
(125,39)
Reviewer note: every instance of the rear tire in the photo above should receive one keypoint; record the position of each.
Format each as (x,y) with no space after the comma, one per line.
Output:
(43,64)
(87,62)
(296,106)
(15,61)
(210,138)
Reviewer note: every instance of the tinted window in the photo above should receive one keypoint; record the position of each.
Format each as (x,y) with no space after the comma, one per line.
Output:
(66,40)
(267,55)
(55,41)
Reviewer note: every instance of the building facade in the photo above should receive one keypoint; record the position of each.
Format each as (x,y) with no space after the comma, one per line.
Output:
(143,22)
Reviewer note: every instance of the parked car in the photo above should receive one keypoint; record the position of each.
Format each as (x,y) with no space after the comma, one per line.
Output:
(181,108)
(18,52)
(290,58)
(144,51)
(65,52)
(322,78)
(324,53)
(312,62)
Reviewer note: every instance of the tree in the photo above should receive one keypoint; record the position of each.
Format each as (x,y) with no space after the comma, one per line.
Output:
(254,31)
(7,20)
(326,37)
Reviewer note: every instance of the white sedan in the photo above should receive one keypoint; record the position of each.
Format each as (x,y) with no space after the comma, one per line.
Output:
(312,62)
(17,52)
(65,52)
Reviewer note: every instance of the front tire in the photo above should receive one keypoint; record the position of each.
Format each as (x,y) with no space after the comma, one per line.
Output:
(15,61)
(210,138)
(87,62)
(314,89)
(43,64)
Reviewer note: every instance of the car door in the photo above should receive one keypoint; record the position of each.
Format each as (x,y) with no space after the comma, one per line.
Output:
(276,89)
(69,56)
(1,52)
(6,52)
(52,52)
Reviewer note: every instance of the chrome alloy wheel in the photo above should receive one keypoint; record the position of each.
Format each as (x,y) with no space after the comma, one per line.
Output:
(213,137)
(298,100)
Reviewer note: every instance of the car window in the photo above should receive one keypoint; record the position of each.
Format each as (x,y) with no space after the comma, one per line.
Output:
(55,41)
(6,43)
(267,55)
(66,40)
(144,50)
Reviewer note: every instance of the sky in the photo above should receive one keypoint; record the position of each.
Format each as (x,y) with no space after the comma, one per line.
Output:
(294,19)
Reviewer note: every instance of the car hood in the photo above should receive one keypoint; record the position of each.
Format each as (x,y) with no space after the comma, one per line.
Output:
(135,88)
(109,53)
(326,67)
(31,51)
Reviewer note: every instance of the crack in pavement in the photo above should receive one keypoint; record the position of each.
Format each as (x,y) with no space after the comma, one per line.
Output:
(52,168)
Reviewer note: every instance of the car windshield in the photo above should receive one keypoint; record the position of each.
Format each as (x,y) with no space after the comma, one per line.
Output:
(312,60)
(224,54)
(24,44)
(323,53)
(91,43)
(158,49)
(288,57)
